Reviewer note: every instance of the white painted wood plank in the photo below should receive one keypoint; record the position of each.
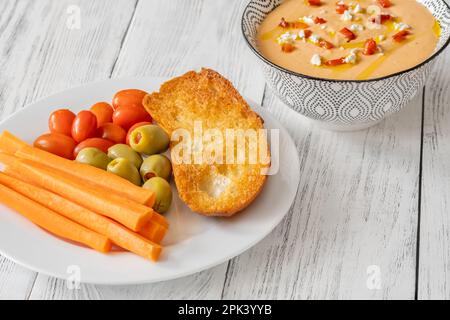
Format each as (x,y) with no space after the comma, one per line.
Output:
(40,55)
(357,207)
(16,282)
(434,266)
(168,38)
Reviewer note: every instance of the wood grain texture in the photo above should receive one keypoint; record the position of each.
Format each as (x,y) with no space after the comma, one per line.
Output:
(434,262)
(358,201)
(357,206)
(169,38)
(40,55)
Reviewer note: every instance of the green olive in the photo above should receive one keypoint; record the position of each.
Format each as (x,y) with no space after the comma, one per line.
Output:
(125,151)
(163,193)
(125,169)
(93,157)
(156,165)
(149,139)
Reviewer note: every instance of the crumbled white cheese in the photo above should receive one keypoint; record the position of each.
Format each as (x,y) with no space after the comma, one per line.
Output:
(381,37)
(356,27)
(316,60)
(286,37)
(308,20)
(347,16)
(314,38)
(351,58)
(340,3)
(323,27)
(357,9)
(301,34)
(401,26)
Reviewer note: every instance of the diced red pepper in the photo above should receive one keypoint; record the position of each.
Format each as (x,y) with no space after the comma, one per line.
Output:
(283,23)
(319,20)
(314,2)
(287,47)
(385,3)
(296,24)
(325,44)
(335,62)
(348,34)
(382,18)
(399,37)
(308,33)
(341,8)
(370,47)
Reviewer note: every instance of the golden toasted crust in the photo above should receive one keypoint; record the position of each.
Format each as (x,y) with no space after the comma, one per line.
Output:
(206,96)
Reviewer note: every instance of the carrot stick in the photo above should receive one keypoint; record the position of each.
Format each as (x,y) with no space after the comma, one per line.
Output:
(91,175)
(127,212)
(6,159)
(153,231)
(159,219)
(9,143)
(116,232)
(53,222)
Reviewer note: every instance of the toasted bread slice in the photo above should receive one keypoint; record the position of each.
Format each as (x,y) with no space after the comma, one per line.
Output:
(217,189)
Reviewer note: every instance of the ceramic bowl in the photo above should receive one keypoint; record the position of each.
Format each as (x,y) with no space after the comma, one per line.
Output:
(343,105)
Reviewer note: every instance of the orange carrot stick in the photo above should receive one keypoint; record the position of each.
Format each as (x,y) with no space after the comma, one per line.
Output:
(53,222)
(161,220)
(127,212)
(7,159)
(116,232)
(153,231)
(91,175)
(9,143)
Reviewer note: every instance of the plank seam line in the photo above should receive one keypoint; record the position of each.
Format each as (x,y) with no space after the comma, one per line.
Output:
(419,209)
(124,38)
(36,274)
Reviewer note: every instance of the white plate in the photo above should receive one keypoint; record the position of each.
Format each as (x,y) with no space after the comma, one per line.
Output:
(194,243)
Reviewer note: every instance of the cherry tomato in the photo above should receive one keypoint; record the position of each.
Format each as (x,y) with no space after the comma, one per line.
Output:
(137,125)
(103,111)
(60,121)
(112,132)
(99,143)
(129,98)
(126,117)
(84,126)
(56,143)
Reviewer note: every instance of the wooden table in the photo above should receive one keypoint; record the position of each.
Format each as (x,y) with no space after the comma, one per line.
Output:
(371,218)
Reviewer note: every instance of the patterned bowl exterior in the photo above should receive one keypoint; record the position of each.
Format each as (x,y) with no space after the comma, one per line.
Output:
(337,104)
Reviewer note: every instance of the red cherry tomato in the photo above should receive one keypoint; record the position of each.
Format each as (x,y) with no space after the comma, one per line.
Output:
(56,143)
(137,125)
(129,98)
(84,126)
(60,121)
(99,143)
(112,132)
(103,111)
(126,117)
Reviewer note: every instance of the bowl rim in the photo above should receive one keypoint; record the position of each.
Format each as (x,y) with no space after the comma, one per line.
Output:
(301,75)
